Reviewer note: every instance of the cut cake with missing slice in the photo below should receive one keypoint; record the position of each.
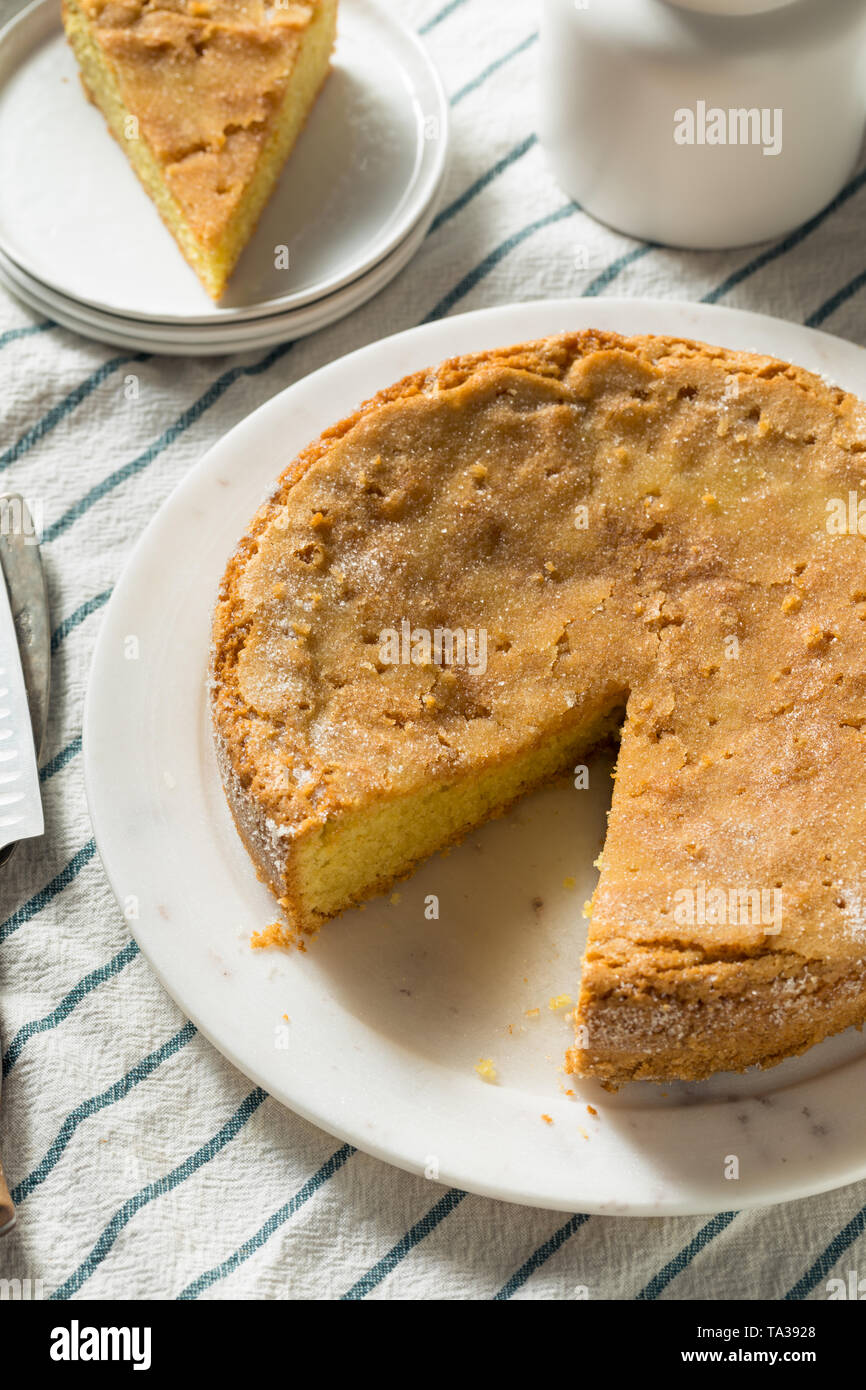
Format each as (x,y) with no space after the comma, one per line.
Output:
(637,525)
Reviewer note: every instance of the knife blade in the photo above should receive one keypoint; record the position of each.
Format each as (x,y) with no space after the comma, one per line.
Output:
(24,674)
(24,594)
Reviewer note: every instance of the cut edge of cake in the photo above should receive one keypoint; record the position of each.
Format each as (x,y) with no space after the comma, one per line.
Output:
(322,876)
(660,1037)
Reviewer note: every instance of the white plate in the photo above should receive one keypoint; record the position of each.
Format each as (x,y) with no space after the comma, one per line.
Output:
(220,337)
(74,216)
(389,1013)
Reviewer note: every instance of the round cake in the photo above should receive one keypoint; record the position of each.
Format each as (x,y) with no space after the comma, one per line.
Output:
(453,595)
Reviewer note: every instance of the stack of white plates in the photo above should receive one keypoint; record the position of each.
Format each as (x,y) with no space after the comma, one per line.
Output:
(81,243)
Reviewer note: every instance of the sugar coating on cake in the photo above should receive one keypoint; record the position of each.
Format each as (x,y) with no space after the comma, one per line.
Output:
(206,98)
(642,530)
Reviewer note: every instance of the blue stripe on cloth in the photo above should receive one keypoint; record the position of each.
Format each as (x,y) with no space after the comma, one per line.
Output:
(836,300)
(58,412)
(189,417)
(539,1256)
(468,283)
(63,629)
(134,1077)
(483,182)
(494,67)
(153,1190)
(683,1259)
(13,334)
(826,1260)
(787,243)
(69,1002)
(59,761)
(40,900)
(442,14)
(610,272)
(404,1246)
(273,1223)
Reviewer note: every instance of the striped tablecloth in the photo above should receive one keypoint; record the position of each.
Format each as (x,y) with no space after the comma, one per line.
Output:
(142,1164)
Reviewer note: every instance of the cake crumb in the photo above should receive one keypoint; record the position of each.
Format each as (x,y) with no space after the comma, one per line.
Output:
(486,1070)
(569,882)
(591,1110)
(548,1119)
(559,1001)
(277,934)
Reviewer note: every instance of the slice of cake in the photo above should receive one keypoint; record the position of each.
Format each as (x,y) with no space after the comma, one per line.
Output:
(454,594)
(207,98)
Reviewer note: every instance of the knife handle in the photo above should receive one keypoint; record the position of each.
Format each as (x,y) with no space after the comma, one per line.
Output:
(7,1211)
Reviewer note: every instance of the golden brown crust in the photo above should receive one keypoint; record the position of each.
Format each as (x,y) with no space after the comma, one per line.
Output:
(707,473)
(206,98)
(203,81)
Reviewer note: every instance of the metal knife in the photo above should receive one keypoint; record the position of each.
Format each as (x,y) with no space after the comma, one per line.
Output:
(25,673)
(25,676)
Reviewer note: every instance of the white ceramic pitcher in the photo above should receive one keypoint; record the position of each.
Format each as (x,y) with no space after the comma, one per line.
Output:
(703,123)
